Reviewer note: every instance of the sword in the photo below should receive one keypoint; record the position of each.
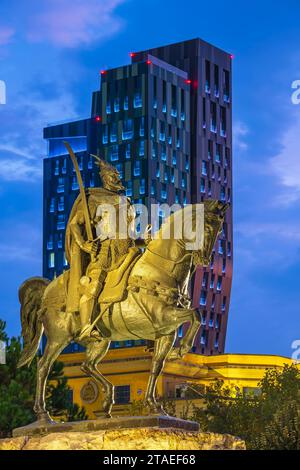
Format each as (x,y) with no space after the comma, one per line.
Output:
(85,206)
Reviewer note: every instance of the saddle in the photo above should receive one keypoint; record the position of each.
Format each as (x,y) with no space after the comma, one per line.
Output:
(115,285)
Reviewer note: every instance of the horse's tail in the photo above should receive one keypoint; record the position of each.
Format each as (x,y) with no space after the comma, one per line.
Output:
(30,295)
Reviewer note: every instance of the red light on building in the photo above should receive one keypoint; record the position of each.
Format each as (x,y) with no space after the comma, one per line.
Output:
(149,62)
(132,54)
(188,81)
(231,56)
(103,72)
(98,118)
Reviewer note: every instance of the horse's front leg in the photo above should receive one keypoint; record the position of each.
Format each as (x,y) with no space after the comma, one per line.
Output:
(95,351)
(162,347)
(186,344)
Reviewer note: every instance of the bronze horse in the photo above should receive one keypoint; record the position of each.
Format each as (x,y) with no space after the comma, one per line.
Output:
(150,310)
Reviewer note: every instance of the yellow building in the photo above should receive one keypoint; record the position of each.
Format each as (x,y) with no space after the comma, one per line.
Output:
(128,369)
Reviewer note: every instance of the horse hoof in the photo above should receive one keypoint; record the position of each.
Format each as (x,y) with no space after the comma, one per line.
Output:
(44,419)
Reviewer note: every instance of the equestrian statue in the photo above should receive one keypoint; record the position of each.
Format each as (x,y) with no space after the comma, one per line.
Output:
(117,288)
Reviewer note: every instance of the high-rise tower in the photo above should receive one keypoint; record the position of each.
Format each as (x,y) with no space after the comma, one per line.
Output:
(165,121)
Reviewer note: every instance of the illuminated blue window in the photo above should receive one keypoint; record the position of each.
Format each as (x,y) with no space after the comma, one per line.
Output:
(224,265)
(142,186)
(172,175)
(113,132)
(60,241)
(224,303)
(220,247)
(137,168)
(61,222)
(183,184)
(163,152)
(203,297)
(154,150)
(180,331)
(61,185)
(162,132)
(229,249)
(204,168)
(202,186)
(152,188)
(64,167)
(164,191)
(56,170)
(127,129)
(219,283)
(117,105)
(127,151)
(126,102)
(203,317)
(212,281)
(51,260)
(50,243)
(142,126)
(129,188)
(218,153)
(137,102)
(105,134)
(187,163)
(61,204)
(108,108)
(90,163)
(142,148)
(52,205)
(178,143)
(174,159)
(92,180)
(157,170)
(75,184)
(211,320)
(119,167)
(153,128)
(114,153)
(222,193)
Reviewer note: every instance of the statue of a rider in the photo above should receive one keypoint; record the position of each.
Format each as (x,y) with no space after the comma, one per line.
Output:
(91,258)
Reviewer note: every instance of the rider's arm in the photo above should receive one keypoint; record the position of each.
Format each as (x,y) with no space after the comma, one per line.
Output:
(77,232)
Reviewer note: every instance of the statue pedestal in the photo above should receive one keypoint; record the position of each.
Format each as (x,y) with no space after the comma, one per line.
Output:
(126,433)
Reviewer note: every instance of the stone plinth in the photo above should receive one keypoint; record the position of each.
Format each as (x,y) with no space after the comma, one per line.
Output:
(125,439)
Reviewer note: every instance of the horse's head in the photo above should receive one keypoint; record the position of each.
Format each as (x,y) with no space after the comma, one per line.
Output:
(214,215)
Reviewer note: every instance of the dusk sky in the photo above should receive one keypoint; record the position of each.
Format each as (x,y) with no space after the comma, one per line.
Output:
(51,52)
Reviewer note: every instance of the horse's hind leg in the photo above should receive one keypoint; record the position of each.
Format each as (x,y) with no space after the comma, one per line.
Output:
(52,351)
(162,347)
(95,351)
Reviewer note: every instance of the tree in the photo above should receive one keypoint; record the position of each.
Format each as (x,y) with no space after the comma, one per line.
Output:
(17,390)
(270,420)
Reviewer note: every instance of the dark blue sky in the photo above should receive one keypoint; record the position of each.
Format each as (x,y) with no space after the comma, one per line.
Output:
(51,52)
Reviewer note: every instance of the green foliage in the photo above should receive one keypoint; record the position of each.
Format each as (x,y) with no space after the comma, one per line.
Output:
(270,420)
(17,390)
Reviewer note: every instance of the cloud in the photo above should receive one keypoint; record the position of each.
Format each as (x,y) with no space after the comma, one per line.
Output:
(286,164)
(21,143)
(240,131)
(6,34)
(76,23)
